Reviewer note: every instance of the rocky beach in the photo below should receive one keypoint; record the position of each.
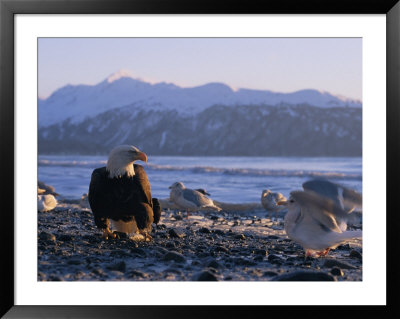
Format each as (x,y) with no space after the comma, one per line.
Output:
(240,243)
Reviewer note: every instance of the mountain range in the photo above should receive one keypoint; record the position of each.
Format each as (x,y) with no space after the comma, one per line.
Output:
(212,119)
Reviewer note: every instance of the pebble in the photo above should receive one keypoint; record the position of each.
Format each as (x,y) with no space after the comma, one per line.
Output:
(204,230)
(213,250)
(270,273)
(173,233)
(170,245)
(355,254)
(74,262)
(330,263)
(344,247)
(261,252)
(120,266)
(336,271)
(47,237)
(205,275)
(172,255)
(219,232)
(55,278)
(240,236)
(221,249)
(213,264)
(138,251)
(303,275)
(65,237)
(244,262)
(274,259)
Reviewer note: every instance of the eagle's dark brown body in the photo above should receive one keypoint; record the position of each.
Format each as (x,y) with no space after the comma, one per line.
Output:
(123,198)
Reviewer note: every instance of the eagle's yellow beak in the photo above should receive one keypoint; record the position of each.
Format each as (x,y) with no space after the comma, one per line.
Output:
(142,156)
(282,202)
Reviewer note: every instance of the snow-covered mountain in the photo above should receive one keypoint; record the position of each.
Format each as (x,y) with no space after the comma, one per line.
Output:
(81,102)
(253,130)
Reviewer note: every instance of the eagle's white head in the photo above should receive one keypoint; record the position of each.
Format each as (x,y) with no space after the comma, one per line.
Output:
(121,159)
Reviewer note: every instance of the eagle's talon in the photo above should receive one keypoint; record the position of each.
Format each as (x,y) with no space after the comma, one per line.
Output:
(146,235)
(107,233)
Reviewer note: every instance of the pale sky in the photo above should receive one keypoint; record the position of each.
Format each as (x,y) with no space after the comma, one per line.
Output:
(276,64)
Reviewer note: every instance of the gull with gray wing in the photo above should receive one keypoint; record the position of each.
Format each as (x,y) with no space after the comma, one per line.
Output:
(317,222)
(190,199)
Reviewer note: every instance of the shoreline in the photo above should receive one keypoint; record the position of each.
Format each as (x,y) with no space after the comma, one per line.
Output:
(240,244)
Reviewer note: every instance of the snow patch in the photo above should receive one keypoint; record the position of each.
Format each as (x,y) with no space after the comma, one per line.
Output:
(163,139)
(118,75)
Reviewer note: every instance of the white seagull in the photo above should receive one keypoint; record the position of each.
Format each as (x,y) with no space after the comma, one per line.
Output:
(316,222)
(190,199)
(46,202)
(269,201)
(344,197)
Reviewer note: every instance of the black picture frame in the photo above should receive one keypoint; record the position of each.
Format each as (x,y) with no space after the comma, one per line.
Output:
(8,10)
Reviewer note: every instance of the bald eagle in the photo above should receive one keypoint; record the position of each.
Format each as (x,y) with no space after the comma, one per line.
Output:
(121,193)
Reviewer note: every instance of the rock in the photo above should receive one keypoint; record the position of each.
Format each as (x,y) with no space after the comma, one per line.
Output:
(173,233)
(99,272)
(137,273)
(47,237)
(261,252)
(204,230)
(355,254)
(270,273)
(258,258)
(205,276)
(219,232)
(330,263)
(172,255)
(303,275)
(244,262)
(120,253)
(236,223)
(41,276)
(274,259)
(213,264)
(55,278)
(336,271)
(170,245)
(344,247)
(74,261)
(178,217)
(221,249)
(240,236)
(139,251)
(160,249)
(121,266)
(65,237)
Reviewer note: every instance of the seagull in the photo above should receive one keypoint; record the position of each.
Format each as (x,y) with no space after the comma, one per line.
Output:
(46,202)
(346,198)
(316,222)
(203,191)
(269,201)
(46,189)
(190,199)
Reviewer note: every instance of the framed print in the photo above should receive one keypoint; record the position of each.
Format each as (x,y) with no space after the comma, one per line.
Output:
(148,146)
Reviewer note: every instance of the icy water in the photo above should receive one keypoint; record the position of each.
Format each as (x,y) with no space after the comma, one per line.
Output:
(227,179)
